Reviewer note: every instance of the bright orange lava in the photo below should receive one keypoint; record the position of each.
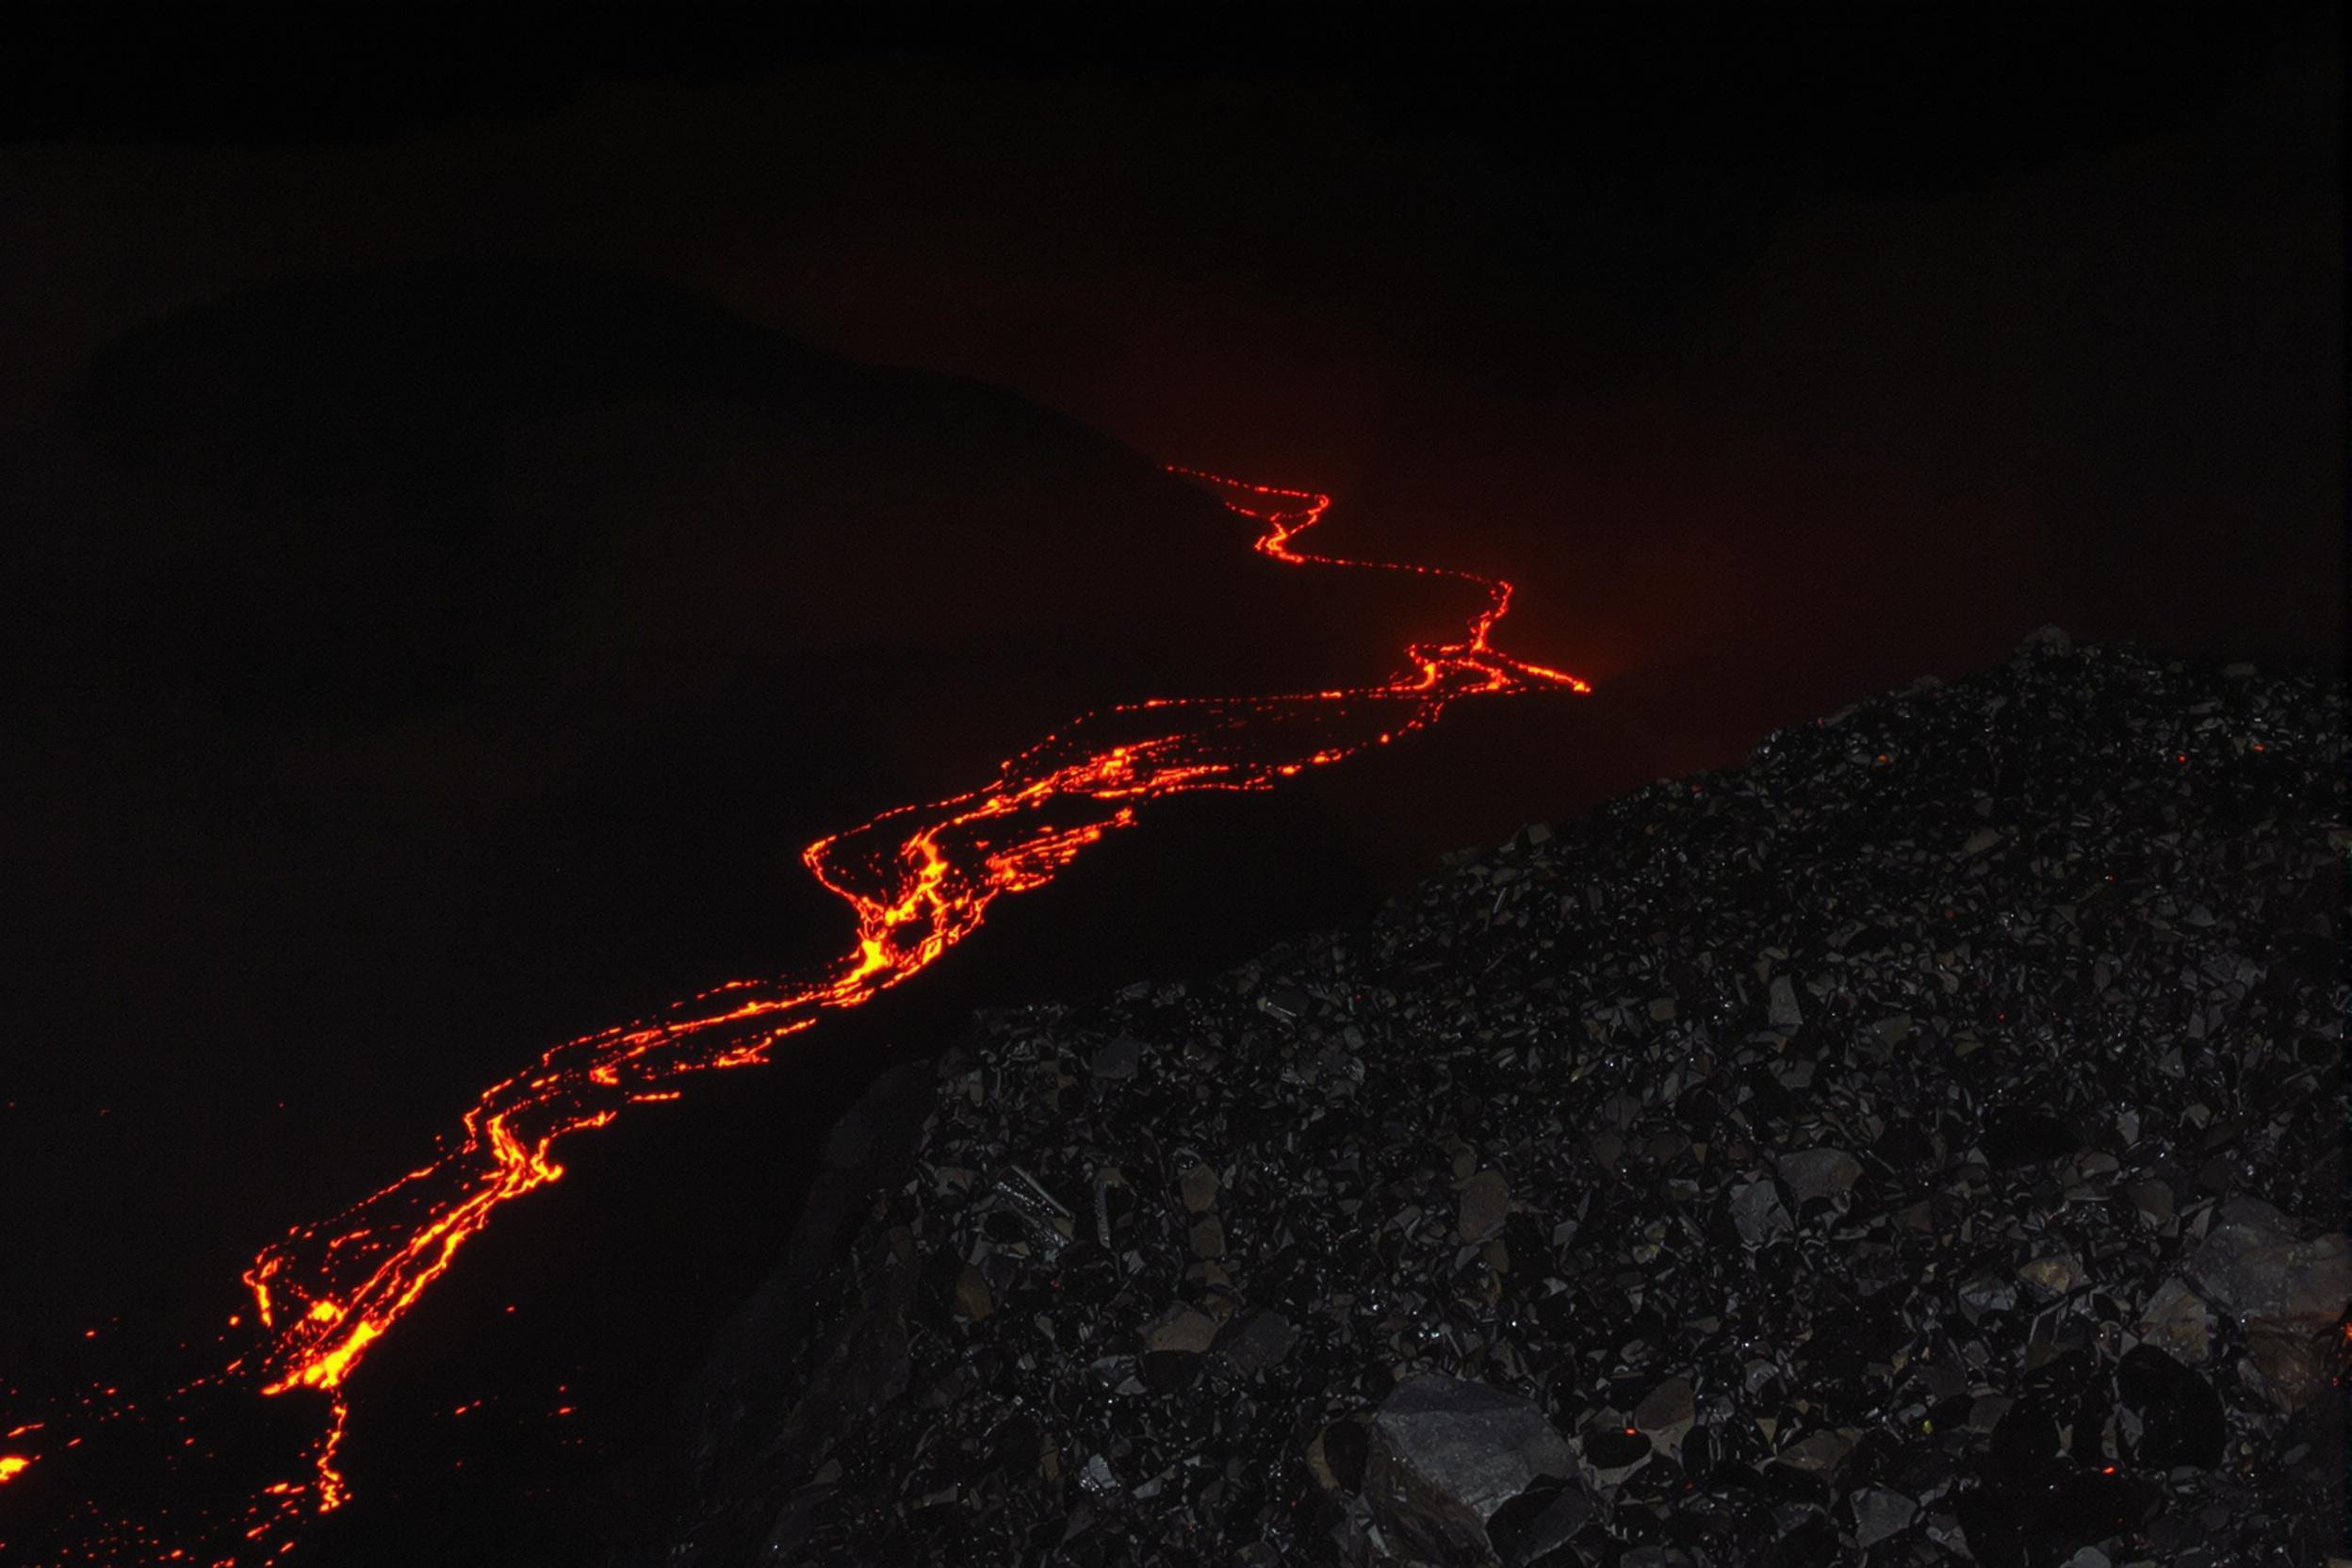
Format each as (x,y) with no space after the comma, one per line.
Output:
(918,879)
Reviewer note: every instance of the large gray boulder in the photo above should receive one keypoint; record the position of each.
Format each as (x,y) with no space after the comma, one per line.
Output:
(2287,1288)
(2258,1265)
(1445,1456)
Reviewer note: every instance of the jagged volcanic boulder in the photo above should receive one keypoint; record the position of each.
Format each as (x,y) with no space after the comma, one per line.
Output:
(1447,1455)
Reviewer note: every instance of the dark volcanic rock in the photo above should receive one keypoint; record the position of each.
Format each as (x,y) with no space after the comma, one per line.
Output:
(1819,1173)
(2255,1263)
(1920,1144)
(2288,1291)
(1257,1342)
(1447,1454)
(2179,1417)
(1534,1526)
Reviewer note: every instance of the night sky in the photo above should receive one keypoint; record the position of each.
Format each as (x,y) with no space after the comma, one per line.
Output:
(459,545)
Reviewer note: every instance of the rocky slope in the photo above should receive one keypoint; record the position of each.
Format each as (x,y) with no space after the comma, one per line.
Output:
(1920,1144)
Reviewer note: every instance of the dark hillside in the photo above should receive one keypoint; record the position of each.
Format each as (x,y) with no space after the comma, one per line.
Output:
(1922,1144)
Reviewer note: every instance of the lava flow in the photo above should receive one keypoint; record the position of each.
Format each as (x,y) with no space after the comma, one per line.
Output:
(918,879)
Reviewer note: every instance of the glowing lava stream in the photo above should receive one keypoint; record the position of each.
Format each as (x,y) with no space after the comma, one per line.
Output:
(919,878)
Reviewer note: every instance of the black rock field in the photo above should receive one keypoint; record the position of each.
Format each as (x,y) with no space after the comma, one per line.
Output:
(1920,1144)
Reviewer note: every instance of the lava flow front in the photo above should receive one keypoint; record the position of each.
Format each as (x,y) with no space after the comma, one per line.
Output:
(918,879)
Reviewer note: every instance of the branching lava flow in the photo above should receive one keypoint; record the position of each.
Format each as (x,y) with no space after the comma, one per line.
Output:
(918,879)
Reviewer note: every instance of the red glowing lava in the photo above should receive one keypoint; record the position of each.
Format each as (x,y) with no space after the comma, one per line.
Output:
(918,879)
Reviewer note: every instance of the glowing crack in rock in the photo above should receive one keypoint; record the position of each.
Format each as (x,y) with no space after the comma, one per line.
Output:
(918,879)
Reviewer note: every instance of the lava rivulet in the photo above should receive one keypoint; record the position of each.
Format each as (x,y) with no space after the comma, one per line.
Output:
(918,879)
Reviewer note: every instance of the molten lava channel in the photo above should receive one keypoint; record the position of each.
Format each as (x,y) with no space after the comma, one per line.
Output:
(918,879)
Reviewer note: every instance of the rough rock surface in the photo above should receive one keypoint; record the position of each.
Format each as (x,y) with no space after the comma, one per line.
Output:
(1447,1455)
(1918,1145)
